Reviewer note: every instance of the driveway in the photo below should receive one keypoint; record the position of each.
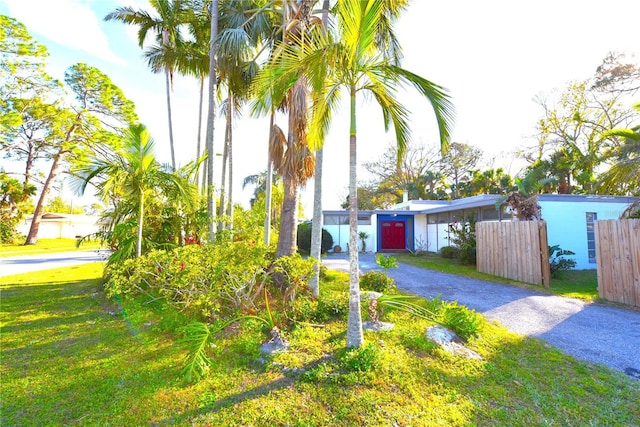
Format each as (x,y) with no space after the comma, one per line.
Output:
(26,263)
(591,332)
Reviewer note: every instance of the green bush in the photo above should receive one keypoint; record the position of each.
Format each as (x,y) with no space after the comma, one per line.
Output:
(377,281)
(304,239)
(464,238)
(329,305)
(557,262)
(203,281)
(449,252)
(361,359)
(462,320)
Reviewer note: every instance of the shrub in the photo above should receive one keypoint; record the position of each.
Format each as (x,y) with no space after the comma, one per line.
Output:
(557,262)
(449,252)
(203,281)
(464,238)
(376,281)
(462,320)
(304,239)
(329,305)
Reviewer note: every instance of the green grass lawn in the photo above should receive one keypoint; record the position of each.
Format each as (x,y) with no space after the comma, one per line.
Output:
(581,284)
(71,357)
(47,245)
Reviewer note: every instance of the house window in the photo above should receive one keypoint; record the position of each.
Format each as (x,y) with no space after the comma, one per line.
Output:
(591,236)
(364,219)
(336,219)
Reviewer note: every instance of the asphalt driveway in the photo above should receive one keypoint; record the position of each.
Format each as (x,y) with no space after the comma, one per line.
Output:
(591,332)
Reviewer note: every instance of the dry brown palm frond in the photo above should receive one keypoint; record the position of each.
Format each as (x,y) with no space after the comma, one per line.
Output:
(632,211)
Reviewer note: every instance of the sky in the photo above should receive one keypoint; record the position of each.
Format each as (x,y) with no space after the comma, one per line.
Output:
(494,57)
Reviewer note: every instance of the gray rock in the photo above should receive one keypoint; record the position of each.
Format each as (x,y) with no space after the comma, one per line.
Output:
(450,342)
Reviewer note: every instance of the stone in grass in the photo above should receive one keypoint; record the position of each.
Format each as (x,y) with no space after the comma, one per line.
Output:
(378,326)
(450,342)
(276,344)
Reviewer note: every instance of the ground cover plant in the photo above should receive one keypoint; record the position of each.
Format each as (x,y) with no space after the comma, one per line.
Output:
(72,356)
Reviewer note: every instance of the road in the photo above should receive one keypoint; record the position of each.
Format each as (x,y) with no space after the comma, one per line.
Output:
(592,332)
(27,263)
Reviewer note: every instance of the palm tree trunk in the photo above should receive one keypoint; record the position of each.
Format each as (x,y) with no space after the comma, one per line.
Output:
(267,202)
(355,336)
(173,155)
(198,146)
(140,219)
(287,236)
(211,200)
(230,165)
(56,167)
(316,222)
(225,159)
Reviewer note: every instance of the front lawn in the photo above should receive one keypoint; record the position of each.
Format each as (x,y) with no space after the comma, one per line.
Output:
(71,357)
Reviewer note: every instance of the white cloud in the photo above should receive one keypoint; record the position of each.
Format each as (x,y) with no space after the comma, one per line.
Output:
(70,23)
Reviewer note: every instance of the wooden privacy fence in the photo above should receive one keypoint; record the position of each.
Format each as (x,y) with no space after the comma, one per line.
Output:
(517,250)
(618,260)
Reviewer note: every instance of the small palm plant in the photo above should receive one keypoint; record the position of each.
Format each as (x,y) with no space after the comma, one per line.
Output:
(363,235)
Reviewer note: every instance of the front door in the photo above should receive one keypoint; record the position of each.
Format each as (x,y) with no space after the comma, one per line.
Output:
(393,235)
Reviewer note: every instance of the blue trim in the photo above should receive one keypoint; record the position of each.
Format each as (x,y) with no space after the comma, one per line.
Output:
(408,229)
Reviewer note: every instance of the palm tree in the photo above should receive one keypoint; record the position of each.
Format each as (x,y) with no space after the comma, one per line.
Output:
(170,15)
(624,175)
(354,63)
(134,176)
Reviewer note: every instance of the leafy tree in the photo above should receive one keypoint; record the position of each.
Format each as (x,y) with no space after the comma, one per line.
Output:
(26,112)
(86,128)
(490,181)
(14,203)
(418,173)
(59,205)
(574,134)
(458,163)
(352,62)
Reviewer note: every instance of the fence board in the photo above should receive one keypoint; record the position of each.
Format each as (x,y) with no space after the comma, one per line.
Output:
(516,250)
(618,260)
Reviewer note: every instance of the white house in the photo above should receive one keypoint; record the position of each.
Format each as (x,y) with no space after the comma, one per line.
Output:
(62,226)
(424,224)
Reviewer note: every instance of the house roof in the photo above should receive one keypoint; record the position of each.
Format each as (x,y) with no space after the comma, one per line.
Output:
(413,207)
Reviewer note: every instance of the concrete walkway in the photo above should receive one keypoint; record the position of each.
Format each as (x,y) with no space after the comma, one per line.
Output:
(591,332)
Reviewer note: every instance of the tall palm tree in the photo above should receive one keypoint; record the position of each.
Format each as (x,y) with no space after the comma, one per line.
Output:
(316,221)
(134,175)
(354,63)
(169,16)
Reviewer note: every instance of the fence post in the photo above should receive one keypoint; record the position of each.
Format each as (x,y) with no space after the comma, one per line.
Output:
(544,254)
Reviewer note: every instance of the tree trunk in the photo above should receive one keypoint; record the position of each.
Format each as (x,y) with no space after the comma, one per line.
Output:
(198,146)
(173,155)
(230,165)
(355,336)
(140,227)
(211,199)
(288,215)
(225,159)
(32,237)
(268,185)
(316,226)
(317,223)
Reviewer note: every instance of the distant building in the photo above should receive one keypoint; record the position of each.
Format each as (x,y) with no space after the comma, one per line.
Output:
(62,226)
(424,224)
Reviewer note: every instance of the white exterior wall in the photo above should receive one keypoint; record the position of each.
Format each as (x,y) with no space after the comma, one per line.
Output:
(340,234)
(567,225)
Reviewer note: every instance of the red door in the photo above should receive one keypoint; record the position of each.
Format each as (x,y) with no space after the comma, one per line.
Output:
(393,235)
